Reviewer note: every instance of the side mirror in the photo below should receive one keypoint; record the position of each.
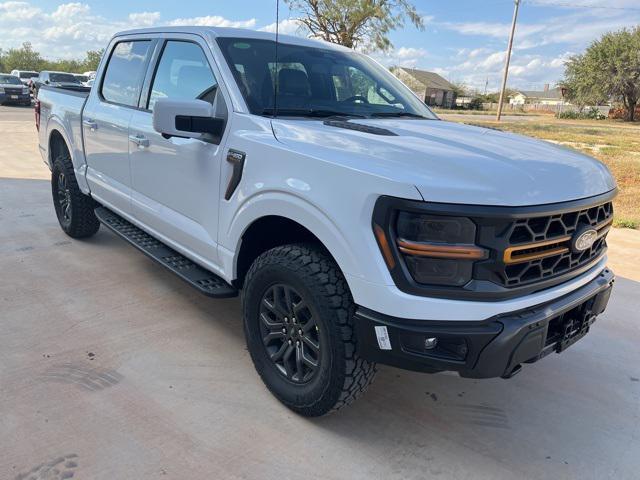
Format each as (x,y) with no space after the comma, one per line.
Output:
(46,82)
(187,119)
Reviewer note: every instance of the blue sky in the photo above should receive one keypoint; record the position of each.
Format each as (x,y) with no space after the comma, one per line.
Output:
(464,40)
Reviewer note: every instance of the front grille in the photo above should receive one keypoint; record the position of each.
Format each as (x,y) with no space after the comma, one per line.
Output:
(537,248)
(13,91)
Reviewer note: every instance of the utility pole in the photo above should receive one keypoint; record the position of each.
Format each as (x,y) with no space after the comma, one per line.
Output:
(506,64)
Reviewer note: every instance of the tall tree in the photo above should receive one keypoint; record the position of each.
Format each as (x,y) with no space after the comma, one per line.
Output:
(356,23)
(608,69)
(93,59)
(23,58)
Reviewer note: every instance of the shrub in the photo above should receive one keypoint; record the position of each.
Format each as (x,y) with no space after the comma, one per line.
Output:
(592,114)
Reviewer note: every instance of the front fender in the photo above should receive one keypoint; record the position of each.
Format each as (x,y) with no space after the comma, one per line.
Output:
(274,203)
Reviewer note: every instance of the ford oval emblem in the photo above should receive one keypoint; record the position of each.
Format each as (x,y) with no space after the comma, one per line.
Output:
(583,239)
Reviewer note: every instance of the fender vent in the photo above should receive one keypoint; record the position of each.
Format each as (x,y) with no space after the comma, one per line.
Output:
(359,127)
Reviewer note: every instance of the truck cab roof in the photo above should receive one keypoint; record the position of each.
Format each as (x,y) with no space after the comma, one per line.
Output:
(215,32)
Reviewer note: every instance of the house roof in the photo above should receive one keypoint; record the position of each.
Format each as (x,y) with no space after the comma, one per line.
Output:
(428,79)
(554,93)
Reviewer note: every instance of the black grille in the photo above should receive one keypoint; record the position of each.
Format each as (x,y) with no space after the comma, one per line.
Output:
(546,234)
(13,91)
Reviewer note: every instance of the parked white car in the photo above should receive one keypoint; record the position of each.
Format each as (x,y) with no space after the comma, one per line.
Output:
(25,75)
(358,227)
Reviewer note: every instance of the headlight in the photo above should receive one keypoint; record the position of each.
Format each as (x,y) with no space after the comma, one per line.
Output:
(433,249)
(25,90)
(436,249)
(1,90)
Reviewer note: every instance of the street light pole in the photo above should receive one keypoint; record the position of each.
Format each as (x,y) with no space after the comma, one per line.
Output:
(506,64)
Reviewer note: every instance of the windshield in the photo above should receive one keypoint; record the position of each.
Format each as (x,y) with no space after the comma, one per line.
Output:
(28,74)
(63,77)
(10,79)
(316,82)
(82,78)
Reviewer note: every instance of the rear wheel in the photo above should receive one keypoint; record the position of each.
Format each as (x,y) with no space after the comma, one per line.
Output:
(298,325)
(75,210)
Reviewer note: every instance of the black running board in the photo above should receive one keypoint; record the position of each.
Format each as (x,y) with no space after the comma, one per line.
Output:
(203,280)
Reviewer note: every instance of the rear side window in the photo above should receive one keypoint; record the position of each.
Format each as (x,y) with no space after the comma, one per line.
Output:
(125,72)
(183,74)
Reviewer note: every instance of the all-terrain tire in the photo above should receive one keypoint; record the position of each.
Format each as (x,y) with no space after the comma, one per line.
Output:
(75,210)
(342,375)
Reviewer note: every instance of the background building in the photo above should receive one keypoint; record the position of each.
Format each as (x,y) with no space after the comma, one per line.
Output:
(429,86)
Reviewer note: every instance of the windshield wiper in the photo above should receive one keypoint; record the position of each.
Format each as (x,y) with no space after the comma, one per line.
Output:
(399,114)
(315,113)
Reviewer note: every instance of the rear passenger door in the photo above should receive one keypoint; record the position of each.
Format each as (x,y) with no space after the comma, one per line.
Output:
(176,181)
(105,121)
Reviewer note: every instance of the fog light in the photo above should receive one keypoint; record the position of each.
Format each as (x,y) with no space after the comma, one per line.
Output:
(430,343)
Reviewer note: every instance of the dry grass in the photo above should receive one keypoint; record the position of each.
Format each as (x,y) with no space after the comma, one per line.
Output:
(615,143)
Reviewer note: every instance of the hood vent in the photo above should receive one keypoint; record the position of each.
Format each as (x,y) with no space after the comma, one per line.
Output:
(359,127)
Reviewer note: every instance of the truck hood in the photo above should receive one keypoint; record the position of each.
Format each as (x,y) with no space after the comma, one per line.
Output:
(453,163)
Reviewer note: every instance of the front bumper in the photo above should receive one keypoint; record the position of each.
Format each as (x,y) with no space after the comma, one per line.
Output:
(496,347)
(22,98)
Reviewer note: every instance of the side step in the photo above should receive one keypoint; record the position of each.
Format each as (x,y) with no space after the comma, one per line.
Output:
(206,282)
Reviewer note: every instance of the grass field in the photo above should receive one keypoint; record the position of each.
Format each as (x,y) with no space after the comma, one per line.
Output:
(446,111)
(615,143)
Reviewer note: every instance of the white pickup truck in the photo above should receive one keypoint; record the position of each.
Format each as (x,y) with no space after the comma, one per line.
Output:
(357,226)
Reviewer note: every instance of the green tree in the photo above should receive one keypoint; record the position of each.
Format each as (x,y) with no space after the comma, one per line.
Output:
(93,59)
(608,69)
(23,58)
(2,66)
(356,23)
(460,89)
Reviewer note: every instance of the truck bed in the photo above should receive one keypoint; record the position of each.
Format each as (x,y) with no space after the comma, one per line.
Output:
(61,109)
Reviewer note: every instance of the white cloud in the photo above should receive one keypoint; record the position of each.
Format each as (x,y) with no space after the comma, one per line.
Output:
(146,19)
(70,29)
(403,56)
(290,26)
(214,21)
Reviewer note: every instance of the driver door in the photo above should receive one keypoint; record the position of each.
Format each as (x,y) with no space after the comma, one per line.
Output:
(175,181)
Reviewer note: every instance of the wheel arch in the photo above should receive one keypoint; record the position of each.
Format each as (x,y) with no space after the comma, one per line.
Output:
(57,142)
(58,136)
(279,219)
(268,232)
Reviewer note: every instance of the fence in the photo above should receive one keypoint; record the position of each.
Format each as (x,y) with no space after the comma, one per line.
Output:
(542,108)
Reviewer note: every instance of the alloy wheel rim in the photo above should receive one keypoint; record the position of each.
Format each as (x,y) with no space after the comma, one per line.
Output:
(290,333)
(64,198)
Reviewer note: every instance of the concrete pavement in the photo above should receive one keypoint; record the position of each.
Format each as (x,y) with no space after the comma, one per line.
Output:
(112,368)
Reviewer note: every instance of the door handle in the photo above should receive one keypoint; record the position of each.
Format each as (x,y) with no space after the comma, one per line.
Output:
(90,124)
(140,140)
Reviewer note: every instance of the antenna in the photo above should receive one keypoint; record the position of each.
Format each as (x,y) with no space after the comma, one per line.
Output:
(277,76)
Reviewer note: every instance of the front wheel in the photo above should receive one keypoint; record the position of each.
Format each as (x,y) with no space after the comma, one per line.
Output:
(298,314)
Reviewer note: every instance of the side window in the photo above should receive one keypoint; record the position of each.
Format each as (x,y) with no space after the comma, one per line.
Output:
(125,72)
(183,74)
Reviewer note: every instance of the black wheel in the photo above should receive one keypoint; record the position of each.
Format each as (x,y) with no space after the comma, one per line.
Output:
(75,210)
(298,313)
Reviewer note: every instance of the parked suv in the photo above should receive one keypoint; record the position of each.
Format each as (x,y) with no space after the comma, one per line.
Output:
(356,226)
(13,91)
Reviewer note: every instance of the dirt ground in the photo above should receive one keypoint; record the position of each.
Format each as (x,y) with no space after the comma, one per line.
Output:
(113,368)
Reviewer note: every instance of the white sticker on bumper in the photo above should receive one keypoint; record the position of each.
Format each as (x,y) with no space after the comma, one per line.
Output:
(383,338)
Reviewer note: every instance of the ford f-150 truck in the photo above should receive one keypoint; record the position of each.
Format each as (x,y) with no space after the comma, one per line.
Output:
(357,226)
